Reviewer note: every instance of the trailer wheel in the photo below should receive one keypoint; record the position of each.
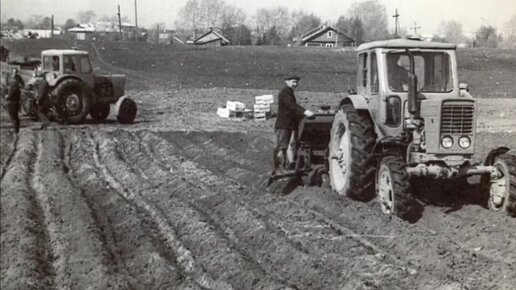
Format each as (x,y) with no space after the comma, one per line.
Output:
(351,154)
(500,189)
(393,186)
(75,98)
(127,111)
(100,112)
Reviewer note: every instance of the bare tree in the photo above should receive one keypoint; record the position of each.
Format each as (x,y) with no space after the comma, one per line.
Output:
(486,36)
(353,27)
(211,13)
(189,18)
(373,16)
(451,31)
(86,16)
(278,18)
(510,33)
(302,23)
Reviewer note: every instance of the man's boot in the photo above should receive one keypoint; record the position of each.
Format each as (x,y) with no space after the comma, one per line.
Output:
(282,161)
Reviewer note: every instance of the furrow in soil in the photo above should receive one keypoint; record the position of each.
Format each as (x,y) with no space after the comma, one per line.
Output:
(135,189)
(76,243)
(26,259)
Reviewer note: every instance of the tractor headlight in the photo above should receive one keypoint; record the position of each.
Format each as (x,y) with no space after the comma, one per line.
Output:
(447,142)
(464,142)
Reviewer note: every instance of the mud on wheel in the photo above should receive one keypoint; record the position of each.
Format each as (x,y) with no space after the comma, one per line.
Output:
(75,98)
(351,154)
(500,188)
(393,185)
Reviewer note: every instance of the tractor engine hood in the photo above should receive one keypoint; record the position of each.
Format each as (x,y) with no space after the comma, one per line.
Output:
(454,118)
(118,82)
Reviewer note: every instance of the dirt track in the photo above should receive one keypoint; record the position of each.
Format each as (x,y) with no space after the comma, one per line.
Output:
(175,202)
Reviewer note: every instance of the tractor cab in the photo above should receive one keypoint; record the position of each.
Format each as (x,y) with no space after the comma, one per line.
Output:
(67,62)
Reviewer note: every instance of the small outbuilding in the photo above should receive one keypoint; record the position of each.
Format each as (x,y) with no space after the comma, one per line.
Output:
(326,36)
(211,38)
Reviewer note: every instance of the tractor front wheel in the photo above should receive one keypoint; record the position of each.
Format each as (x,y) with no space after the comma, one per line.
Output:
(501,186)
(351,154)
(393,185)
(75,99)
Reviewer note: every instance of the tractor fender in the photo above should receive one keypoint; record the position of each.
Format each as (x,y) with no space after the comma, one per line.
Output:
(494,153)
(359,102)
(64,78)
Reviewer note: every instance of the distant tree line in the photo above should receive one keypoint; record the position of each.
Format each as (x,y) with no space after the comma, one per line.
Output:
(364,21)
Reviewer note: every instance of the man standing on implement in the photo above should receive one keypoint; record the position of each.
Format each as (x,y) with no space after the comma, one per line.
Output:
(289,114)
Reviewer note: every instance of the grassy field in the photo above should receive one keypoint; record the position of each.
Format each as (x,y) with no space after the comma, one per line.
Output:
(489,72)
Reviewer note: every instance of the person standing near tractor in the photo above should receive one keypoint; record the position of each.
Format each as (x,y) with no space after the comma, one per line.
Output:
(42,100)
(288,116)
(13,99)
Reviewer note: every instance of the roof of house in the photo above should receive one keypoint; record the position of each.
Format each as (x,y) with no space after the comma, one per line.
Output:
(318,31)
(217,35)
(406,43)
(63,52)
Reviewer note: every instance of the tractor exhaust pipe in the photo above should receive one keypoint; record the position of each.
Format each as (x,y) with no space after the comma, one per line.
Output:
(413,107)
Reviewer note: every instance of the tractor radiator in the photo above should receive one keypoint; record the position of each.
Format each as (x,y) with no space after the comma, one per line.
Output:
(457,118)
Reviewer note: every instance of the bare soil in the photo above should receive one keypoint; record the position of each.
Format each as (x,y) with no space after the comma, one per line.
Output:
(176,201)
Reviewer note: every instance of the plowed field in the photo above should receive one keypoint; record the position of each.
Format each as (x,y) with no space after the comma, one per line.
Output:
(176,201)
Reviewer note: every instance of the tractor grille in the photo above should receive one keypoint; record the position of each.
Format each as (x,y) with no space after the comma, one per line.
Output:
(457,118)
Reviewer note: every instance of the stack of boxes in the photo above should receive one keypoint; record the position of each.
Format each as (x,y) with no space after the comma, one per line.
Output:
(232,110)
(262,107)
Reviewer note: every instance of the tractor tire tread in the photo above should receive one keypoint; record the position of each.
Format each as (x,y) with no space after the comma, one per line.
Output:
(401,184)
(363,138)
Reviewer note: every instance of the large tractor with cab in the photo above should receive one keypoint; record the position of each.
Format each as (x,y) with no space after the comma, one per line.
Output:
(409,118)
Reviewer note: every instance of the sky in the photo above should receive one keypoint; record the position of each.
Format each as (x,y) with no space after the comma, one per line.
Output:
(428,14)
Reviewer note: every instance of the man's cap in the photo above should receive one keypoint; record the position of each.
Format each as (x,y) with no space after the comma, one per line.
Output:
(292,77)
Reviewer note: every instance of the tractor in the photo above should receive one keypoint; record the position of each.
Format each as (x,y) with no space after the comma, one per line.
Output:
(407,119)
(410,118)
(77,90)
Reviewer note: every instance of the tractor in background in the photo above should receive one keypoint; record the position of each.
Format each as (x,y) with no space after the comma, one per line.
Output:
(76,89)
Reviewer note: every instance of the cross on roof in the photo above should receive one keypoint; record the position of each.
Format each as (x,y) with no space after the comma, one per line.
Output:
(415,28)
(396,24)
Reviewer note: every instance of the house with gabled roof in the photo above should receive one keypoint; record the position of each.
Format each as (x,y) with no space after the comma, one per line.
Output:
(211,38)
(326,36)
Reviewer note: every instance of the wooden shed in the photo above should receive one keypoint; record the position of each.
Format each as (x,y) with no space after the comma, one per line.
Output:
(211,38)
(326,36)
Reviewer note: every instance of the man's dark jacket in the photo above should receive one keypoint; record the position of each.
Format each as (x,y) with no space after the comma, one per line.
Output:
(14,93)
(43,90)
(289,112)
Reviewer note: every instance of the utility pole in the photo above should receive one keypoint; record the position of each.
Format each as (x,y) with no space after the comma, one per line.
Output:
(396,23)
(52,27)
(415,28)
(120,23)
(135,20)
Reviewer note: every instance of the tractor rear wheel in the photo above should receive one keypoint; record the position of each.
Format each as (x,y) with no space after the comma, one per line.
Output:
(393,185)
(75,99)
(351,154)
(501,187)
(100,112)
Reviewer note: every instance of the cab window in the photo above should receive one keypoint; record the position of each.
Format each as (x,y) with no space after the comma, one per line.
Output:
(85,65)
(374,74)
(70,64)
(362,63)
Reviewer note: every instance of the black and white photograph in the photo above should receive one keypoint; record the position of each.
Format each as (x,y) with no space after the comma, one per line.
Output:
(282,145)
